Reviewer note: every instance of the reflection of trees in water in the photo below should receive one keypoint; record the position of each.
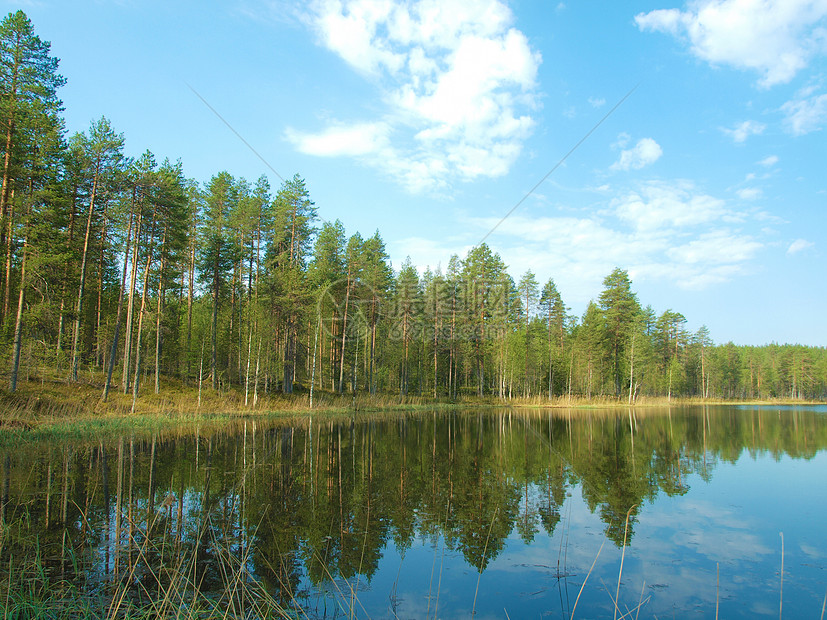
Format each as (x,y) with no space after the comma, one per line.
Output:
(318,501)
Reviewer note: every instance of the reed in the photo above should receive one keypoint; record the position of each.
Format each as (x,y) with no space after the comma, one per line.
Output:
(161,582)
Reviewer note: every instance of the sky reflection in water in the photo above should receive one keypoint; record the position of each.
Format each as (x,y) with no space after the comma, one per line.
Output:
(531,496)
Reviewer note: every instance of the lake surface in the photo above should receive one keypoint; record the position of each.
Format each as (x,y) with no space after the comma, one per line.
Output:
(441,514)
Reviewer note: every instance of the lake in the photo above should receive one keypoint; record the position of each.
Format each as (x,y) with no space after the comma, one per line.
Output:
(670,512)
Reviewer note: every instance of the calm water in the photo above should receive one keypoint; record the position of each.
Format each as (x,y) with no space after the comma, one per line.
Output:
(437,514)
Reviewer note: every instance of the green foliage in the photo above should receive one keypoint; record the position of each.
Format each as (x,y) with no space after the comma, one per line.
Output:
(234,287)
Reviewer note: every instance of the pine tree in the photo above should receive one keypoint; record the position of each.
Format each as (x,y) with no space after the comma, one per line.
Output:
(218,253)
(102,153)
(554,315)
(620,311)
(29,109)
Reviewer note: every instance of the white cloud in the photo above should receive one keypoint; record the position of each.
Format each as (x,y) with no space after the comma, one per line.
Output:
(645,152)
(799,245)
(659,205)
(359,139)
(776,38)
(719,247)
(456,78)
(806,113)
(744,130)
(769,162)
(749,193)
(596,102)
(662,232)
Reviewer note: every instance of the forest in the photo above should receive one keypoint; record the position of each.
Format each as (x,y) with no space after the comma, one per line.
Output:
(121,271)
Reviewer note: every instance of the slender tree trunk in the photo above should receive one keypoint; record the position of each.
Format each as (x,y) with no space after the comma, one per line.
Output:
(550,357)
(255,382)
(69,241)
(214,336)
(114,350)
(137,377)
(5,189)
(99,349)
(82,285)
(5,202)
(232,325)
(404,381)
(9,243)
(247,372)
(436,341)
(372,387)
(18,323)
(130,309)
(289,353)
(315,346)
(158,338)
(254,326)
(632,370)
(11,107)
(344,330)
(190,291)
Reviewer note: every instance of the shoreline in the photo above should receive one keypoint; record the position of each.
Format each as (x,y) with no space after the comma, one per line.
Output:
(42,410)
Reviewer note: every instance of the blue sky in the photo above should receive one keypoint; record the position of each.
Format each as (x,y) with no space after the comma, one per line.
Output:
(430,119)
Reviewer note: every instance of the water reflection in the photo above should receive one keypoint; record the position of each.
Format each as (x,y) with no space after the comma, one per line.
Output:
(307,510)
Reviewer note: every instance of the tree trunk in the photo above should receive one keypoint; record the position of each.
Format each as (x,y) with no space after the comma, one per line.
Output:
(344,331)
(9,243)
(82,285)
(18,323)
(214,336)
(190,291)
(5,203)
(98,348)
(158,338)
(69,239)
(372,385)
(130,309)
(114,350)
(10,125)
(137,377)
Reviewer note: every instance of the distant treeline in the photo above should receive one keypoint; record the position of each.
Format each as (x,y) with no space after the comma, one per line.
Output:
(125,268)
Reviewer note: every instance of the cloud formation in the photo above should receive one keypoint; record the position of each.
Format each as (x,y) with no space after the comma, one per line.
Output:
(645,152)
(775,38)
(744,130)
(457,81)
(806,113)
(799,245)
(661,231)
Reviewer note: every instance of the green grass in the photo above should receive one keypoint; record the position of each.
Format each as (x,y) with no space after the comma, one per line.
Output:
(51,408)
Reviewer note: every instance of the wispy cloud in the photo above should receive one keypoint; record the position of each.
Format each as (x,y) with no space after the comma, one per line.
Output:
(776,38)
(669,232)
(744,130)
(806,113)
(769,162)
(669,206)
(749,193)
(799,245)
(455,77)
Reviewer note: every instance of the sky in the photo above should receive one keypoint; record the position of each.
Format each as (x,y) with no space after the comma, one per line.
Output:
(683,142)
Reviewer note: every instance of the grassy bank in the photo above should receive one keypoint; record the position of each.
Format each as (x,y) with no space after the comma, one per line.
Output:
(54,408)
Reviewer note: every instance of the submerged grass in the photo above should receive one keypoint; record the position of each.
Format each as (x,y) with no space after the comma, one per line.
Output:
(40,580)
